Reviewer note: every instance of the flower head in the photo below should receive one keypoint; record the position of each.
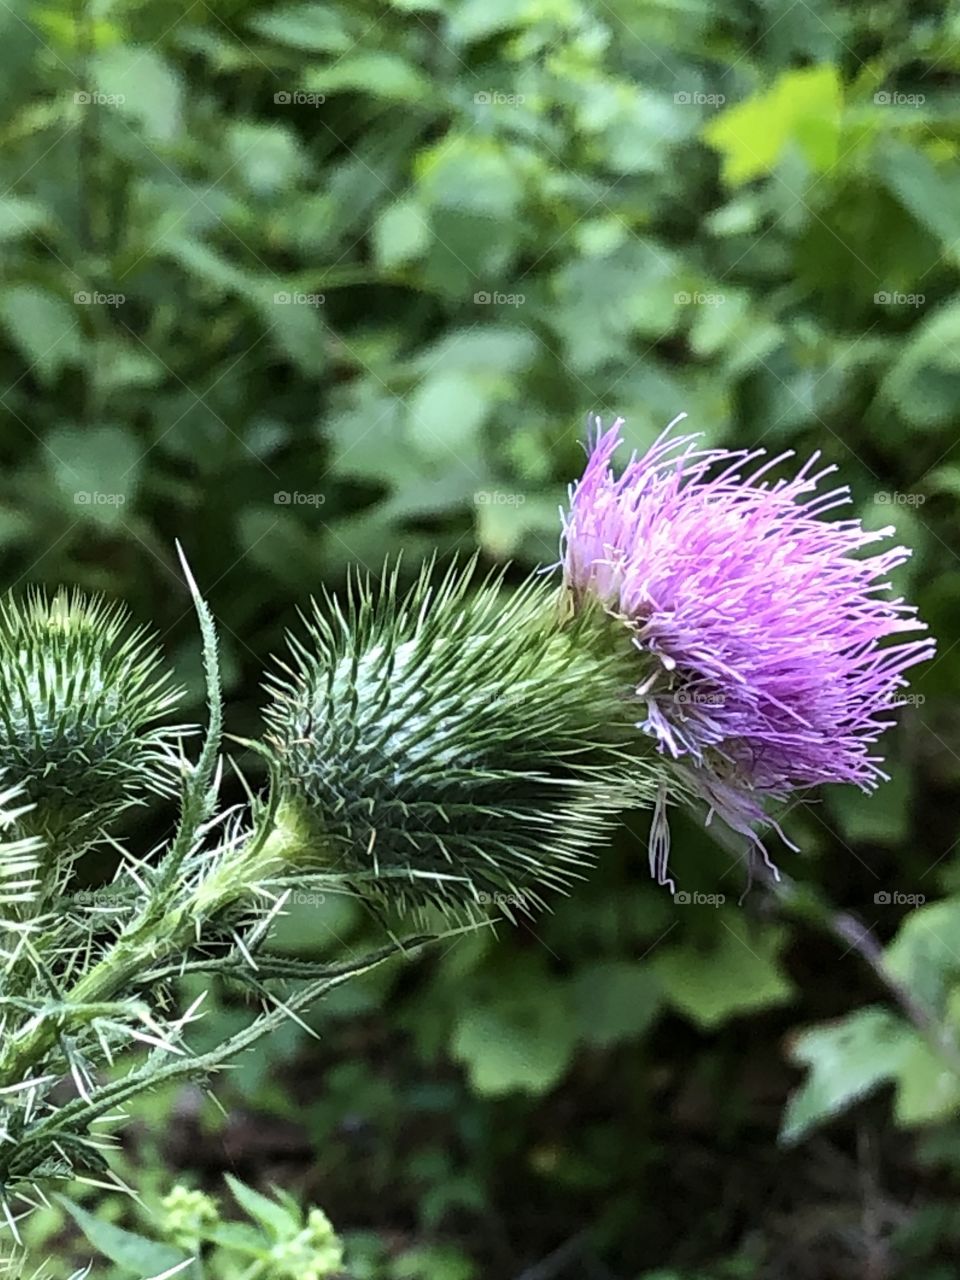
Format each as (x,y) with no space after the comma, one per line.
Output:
(763,635)
(79,694)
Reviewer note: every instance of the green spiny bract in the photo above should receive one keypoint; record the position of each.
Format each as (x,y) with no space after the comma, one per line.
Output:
(79,694)
(19,855)
(460,746)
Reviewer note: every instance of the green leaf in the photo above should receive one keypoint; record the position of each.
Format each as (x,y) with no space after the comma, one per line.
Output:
(491,349)
(433,1262)
(472,175)
(945,480)
(210,267)
(296,329)
(14,527)
(313,27)
(478,19)
(847,1060)
(593,331)
(43,328)
(522,1042)
(927,1090)
(738,975)
(638,131)
(723,323)
(381,75)
(97,472)
(883,817)
(267,157)
(145,87)
(289,317)
(802,108)
(279,544)
(19,216)
(615,1000)
(118,364)
(135,1254)
(366,438)
(400,234)
(932,195)
(924,380)
(924,954)
(447,411)
(238,1237)
(506,517)
(278,1221)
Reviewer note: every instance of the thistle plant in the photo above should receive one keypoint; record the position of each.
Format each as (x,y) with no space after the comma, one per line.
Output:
(452,751)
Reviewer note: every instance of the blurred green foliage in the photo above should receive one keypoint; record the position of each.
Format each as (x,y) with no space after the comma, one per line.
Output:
(309,285)
(277,1242)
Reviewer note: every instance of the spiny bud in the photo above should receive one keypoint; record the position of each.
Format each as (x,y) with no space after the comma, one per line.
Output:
(79,692)
(461,746)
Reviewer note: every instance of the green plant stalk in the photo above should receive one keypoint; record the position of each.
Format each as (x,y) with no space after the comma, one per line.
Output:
(156,936)
(81,1112)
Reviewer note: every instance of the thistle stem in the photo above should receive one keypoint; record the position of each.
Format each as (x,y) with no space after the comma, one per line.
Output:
(154,936)
(803,902)
(79,1113)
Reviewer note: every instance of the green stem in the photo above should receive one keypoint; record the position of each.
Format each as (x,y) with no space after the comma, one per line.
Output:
(805,903)
(151,938)
(77,1115)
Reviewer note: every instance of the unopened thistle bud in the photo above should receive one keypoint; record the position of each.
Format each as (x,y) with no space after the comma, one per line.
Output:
(462,746)
(79,695)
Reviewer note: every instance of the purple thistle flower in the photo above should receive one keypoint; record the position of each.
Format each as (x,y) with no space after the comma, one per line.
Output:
(763,631)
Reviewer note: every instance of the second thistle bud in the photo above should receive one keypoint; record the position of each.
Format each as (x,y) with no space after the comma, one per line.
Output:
(461,746)
(79,695)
